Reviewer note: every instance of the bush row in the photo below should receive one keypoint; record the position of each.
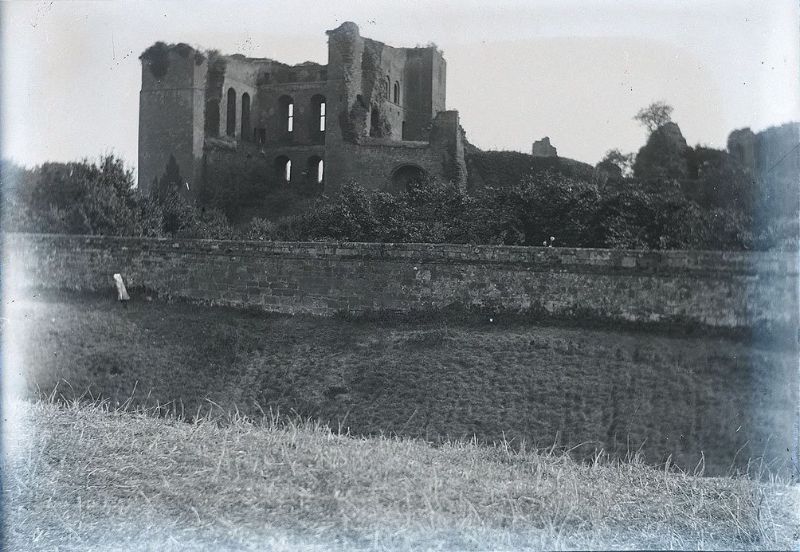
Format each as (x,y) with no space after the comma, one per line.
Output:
(544,208)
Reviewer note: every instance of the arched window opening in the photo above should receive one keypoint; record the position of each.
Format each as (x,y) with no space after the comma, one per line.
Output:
(397,92)
(212,117)
(286,113)
(374,123)
(315,171)
(317,121)
(230,121)
(246,116)
(406,175)
(403,131)
(283,169)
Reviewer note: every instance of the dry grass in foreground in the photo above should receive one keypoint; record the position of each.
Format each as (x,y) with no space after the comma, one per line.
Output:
(91,478)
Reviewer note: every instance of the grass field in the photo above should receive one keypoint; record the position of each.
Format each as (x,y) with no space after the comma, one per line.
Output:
(706,403)
(83,477)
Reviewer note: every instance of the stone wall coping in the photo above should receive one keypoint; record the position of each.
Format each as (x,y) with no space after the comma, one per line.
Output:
(295,85)
(390,143)
(777,263)
(217,144)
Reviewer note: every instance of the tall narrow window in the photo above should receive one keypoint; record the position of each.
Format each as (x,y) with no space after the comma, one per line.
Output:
(283,169)
(246,116)
(230,123)
(315,172)
(397,92)
(316,121)
(285,117)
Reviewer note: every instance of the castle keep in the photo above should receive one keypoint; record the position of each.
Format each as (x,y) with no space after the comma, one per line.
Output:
(374,114)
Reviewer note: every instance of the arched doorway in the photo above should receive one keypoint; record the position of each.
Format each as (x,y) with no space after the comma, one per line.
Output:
(405,175)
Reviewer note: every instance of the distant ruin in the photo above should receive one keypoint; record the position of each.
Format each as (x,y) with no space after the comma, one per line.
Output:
(542,148)
(374,114)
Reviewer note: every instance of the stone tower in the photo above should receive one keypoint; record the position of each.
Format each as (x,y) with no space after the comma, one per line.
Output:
(374,114)
(171,117)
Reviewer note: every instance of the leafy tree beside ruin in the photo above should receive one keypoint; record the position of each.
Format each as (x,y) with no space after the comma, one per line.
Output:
(617,163)
(654,116)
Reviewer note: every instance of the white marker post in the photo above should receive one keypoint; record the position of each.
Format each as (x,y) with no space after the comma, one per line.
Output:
(122,293)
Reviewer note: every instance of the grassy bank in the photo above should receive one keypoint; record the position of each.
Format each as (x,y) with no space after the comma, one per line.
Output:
(706,402)
(89,478)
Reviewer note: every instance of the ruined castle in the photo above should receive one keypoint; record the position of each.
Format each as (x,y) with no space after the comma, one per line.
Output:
(375,114)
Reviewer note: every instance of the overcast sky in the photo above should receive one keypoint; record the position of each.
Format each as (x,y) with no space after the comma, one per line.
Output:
(516,70)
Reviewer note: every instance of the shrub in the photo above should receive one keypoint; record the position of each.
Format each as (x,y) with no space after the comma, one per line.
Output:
(99,198)
(541,207)
(259,229)
(722,208)
(77,198)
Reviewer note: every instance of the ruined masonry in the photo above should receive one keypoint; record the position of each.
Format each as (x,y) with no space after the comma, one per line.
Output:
(374,114)
(543,148)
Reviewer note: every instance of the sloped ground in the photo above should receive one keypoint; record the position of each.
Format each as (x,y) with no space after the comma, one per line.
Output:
(84,477)
(707,403)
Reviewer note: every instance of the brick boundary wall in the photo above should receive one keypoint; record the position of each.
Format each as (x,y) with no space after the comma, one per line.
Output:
(735,290)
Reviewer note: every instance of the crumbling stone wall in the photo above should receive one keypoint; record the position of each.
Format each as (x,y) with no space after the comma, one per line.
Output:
(371,129)
(769,151)
(543,148)
(664,154)
(233,179)
(375,161)
(734,290)
(721,289)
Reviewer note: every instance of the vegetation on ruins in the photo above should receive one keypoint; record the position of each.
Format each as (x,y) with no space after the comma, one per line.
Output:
(654,116)
(667,196)
(617,163)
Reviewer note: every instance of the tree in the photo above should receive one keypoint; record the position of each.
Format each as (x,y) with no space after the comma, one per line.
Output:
(543,208)
(169,183)
(654,115)
(622,161)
